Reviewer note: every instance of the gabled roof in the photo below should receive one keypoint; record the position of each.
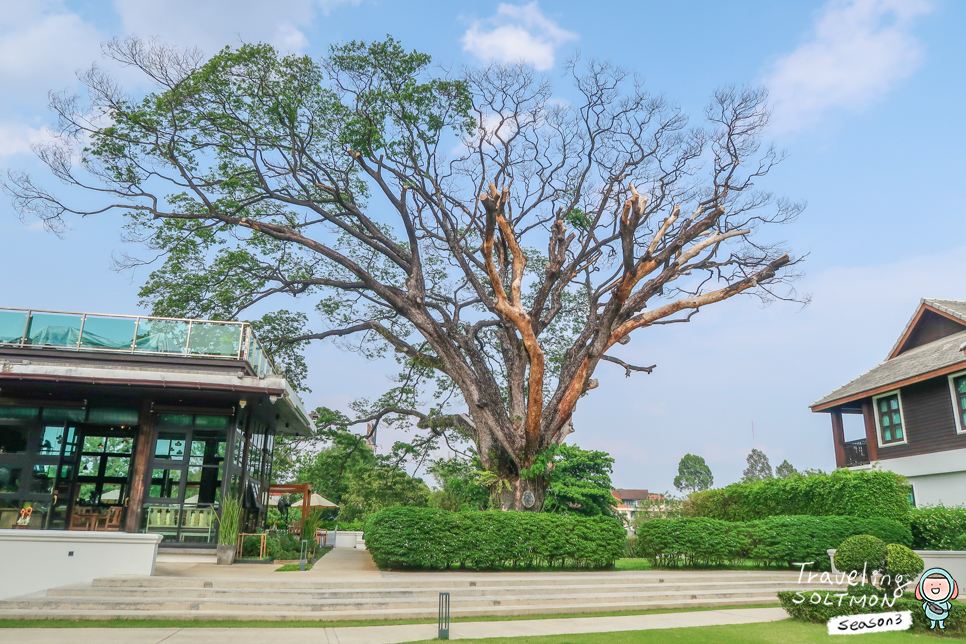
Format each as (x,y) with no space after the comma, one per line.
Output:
(952,309)
(934,359)
(631,495)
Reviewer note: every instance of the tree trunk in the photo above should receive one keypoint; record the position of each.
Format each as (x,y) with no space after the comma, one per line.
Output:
(524,495)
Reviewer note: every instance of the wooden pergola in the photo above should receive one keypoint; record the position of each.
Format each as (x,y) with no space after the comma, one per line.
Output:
(304,488)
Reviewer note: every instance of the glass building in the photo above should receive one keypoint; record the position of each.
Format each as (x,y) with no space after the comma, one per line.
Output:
(136,424)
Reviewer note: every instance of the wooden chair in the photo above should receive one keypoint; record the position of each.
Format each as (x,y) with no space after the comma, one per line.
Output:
(111,522)
(82,519)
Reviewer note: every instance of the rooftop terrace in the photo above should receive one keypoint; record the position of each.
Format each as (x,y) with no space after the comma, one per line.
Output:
(134,334)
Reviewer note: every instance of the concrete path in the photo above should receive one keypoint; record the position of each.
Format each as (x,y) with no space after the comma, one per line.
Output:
(388,634)
(342,563)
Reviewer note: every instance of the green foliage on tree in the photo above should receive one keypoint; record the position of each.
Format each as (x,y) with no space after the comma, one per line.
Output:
(939,528)
(785,470)
(578,480)
(460,484)
(365,185)
(693,474)
(758,468)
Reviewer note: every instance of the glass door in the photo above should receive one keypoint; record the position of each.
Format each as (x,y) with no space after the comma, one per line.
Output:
(61,442)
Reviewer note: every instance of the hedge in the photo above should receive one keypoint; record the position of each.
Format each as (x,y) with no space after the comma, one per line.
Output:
(772,541)
(819,612)
(431,539)
(865,494)
(939,528)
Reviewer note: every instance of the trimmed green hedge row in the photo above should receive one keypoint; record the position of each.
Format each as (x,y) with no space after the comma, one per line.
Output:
(813,607)
(772,541)
(430,539)
(865,494)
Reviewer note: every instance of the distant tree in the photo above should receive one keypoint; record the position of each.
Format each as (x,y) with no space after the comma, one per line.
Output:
(693,474)
(659,506)
(758,468)
(785,470)
(381,487)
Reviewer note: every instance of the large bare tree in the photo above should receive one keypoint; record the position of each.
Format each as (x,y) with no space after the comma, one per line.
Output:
(500,235)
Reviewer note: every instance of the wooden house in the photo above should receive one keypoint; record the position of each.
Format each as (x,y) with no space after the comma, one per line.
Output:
(913,406)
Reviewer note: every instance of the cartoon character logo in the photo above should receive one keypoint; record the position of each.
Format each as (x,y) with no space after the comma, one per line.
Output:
(936,589)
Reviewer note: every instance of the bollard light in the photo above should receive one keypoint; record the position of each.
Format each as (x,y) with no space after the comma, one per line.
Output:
(303,554)
(444,616)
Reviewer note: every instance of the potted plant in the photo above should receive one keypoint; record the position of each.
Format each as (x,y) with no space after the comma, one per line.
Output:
(228,530)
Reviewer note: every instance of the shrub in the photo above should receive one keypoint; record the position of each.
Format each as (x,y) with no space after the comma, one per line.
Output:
(819,607)
(901,562)
(861,552)
(864,494)
(938,528)
(426,538)
(788,540)
(777,540)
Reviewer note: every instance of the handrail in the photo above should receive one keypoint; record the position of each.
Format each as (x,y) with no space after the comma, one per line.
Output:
(244,346)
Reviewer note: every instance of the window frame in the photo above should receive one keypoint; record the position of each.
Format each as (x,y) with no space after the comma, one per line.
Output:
(902,418)
(954,395)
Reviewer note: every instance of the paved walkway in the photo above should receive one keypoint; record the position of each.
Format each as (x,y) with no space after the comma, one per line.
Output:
(337,563)
(388,634)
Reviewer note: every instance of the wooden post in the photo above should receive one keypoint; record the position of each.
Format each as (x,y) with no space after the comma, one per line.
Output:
(838,437)
(142,473)
(306,503)
(871,432)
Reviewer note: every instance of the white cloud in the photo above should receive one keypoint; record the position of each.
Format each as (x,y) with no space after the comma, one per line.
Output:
(18,139)
(517,33)
(42,45)
(858,51)
(213,24)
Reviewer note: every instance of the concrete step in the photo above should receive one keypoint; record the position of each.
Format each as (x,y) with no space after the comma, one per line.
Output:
(441,581)
(79,591)
(296,602)
(392,613)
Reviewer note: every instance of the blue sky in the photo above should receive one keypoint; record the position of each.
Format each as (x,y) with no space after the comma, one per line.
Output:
(867,98)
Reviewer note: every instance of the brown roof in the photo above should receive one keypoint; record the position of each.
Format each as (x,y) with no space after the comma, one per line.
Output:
(632,495)
(937,356)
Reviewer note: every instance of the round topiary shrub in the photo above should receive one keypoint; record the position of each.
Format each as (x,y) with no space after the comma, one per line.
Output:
(902,565)
(861,552)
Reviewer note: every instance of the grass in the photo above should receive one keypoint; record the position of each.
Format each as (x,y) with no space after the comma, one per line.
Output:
(216,623)
(292,567)
(785,631)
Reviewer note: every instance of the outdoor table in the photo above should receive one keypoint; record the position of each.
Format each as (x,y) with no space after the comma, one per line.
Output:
(263,545)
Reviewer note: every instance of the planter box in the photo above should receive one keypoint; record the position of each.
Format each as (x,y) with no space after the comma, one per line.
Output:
(36,560)
(953,561)
(226,554)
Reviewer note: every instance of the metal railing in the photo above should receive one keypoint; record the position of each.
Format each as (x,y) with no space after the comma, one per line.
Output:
(134,334)
(856,453)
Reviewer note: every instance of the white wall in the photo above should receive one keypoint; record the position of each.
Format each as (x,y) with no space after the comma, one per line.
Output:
(936,489)
(33,560)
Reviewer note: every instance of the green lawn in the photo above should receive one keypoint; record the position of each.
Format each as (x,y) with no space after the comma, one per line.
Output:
(784,632)
(214,623)
(292,567)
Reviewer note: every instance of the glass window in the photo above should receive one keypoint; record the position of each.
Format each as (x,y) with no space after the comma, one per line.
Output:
(890,419)
(13,439)
(42,479)
(9,479)
(171,446)
(53,438)
(117,466)
(165,484)
(119,445)
(959,385)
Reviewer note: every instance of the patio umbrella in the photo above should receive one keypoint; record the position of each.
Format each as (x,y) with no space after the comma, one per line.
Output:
(317,501)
